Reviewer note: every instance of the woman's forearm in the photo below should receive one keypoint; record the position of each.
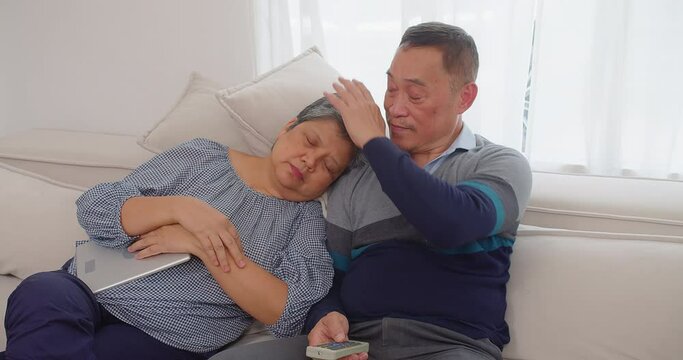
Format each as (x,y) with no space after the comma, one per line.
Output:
(143,214)
(254,289)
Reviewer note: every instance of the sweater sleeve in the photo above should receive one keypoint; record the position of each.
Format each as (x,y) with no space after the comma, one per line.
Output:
(169,173)
(448,214)
(331,302)
(339,236)
(339,240)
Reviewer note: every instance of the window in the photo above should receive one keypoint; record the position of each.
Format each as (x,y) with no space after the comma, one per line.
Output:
(583,86)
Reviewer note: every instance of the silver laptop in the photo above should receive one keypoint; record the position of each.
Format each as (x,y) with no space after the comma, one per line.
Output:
(102,268)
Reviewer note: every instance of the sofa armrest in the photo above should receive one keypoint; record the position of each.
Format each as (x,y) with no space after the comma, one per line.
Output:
(38,225)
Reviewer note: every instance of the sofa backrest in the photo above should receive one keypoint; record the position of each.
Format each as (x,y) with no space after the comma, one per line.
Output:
(606,204)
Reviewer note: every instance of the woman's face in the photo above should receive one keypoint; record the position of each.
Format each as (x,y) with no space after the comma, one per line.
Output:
(309,157)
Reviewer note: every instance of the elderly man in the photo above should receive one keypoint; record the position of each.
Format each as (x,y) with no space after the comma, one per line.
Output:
(421,234)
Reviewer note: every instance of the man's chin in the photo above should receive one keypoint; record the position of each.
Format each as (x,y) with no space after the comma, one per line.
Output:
(400,142)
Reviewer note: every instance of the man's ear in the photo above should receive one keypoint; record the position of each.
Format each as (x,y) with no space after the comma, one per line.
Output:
(286,127)
(466,96)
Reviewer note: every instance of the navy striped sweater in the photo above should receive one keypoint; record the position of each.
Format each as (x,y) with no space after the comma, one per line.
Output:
(429,247)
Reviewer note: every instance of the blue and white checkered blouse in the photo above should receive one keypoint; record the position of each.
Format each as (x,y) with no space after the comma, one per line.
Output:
(184,306)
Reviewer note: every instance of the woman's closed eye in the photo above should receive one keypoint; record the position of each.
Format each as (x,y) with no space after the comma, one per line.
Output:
(330,166)
(312,140)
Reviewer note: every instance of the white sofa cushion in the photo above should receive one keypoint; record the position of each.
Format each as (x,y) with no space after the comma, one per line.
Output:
(38,222)
(197,114)
(7,285)
(73,157)
(607,204)
(262,106)
(588,295)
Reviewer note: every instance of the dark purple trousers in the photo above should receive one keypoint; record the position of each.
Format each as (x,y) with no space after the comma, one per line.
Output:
(54,315)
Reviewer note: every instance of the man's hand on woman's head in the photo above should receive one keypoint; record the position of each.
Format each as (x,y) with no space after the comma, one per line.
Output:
(362,117)
(215,232)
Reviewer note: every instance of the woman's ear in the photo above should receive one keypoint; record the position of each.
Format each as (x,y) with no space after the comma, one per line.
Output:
(285,128)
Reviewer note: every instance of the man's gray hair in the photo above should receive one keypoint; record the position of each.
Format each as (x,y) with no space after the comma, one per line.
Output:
(460,56)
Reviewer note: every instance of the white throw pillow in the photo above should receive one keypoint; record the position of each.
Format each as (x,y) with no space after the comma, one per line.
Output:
(262,106)
(197,114)
(38,222)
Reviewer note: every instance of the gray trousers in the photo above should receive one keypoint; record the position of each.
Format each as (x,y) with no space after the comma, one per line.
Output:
(389,338)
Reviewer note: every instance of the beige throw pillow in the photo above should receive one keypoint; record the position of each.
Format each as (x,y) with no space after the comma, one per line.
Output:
(262,106)
(197,114)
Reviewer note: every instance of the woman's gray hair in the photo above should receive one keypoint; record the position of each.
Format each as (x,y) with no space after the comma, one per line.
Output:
(322,109)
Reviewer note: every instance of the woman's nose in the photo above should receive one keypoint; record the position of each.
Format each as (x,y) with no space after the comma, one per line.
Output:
(310,160)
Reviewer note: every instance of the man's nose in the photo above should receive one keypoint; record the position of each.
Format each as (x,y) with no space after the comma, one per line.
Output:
(397,107)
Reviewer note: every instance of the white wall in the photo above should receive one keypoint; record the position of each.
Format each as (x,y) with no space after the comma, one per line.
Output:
(114,66)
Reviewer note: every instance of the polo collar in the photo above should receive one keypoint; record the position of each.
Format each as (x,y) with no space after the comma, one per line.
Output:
(465,140)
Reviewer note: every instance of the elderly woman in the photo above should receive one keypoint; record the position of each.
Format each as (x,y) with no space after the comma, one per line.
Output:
(257,238)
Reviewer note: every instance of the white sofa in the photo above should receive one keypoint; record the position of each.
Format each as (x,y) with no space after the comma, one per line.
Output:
(597,270)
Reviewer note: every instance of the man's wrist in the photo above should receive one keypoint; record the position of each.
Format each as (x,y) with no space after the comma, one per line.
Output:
(370,138)
(370,143)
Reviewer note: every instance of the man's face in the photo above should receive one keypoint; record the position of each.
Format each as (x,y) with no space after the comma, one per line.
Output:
(420,105)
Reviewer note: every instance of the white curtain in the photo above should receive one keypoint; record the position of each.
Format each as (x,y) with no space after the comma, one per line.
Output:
(283,29)
(359,38)
(601,96)
(606,88)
